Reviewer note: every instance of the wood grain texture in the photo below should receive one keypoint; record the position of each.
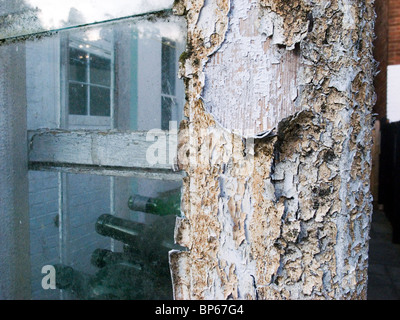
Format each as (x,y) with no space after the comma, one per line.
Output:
(250,76)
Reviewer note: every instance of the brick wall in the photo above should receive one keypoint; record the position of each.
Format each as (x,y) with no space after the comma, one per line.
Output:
(381,55)
(87,196)
(394,32)
(387,48)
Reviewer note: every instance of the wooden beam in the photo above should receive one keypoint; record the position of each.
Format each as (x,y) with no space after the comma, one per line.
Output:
(146,150)
(154,174)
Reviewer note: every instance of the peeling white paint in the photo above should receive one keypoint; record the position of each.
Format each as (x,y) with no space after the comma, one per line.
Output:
(292,221)
(249,75)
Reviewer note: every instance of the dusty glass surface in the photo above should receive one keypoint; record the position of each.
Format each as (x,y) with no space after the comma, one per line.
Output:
(119,76)
(114,76)
(107,237)
(24,17)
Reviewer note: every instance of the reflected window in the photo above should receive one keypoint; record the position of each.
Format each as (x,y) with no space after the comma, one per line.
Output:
(89,82)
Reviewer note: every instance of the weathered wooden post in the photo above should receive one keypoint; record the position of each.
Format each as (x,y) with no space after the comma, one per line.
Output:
(277,147)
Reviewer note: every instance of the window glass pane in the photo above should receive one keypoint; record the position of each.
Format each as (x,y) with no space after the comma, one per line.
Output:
(100,70)
(99,101)
(107,237)
(119,89)
(78,62)
(21,17)
(77,99)
(109,76)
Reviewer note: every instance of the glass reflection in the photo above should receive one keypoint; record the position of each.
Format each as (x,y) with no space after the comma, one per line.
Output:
(22,17)
(108,239)
(120,76)
(117,76)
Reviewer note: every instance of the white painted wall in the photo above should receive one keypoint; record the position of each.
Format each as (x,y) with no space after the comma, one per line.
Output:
(393,93)
(43,83)
(149,84)
(44,233)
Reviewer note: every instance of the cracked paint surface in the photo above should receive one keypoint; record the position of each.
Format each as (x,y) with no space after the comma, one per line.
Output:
(286,216)
(250,76)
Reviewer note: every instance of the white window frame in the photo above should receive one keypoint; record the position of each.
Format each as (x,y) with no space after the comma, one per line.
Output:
(106,50)
(126,159)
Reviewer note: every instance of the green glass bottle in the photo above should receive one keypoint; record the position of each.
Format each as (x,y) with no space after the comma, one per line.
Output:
(166,204)
(119,229)
(116,281)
